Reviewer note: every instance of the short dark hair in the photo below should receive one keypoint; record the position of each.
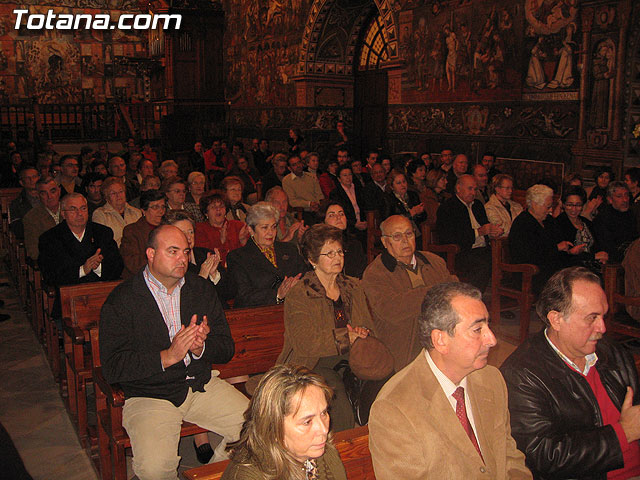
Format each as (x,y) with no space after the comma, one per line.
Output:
(174,216)
(326,206)
(92,177)
(413,166)
(437,313)
(149,196)
(208,200)
(570,191)
(170,182)
(315,237)
(295,155)
(557,294)
(634,174)
(603,169)
(346,166)
(489,154)
(67,157)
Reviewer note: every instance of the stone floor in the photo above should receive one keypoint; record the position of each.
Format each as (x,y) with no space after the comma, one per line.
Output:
(32,410)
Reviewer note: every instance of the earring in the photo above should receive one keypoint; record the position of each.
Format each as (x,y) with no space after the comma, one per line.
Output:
(313,266)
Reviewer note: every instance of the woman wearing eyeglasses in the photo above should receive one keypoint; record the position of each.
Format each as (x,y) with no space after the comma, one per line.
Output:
(572,227)
(324,313)
(501,210)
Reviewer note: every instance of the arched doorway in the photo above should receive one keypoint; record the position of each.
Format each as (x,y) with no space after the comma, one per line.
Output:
(370,88)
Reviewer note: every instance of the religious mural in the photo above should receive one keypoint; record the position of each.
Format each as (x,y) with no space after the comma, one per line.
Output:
(461,50)
(552,41)
(70,66)
(262,46)
(515,119)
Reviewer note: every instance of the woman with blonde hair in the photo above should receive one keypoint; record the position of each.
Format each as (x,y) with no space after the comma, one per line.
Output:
(285,434)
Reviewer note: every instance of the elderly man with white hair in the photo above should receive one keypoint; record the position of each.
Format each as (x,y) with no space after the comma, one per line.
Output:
(531,238)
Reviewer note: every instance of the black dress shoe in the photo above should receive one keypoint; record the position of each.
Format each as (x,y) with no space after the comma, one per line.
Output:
(204,452)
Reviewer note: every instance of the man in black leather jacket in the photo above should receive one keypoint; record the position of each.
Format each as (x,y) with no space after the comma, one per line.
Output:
(572,412)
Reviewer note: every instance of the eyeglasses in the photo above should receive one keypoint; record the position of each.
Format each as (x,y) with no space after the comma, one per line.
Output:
(398,236)
(332,254)
(76,210)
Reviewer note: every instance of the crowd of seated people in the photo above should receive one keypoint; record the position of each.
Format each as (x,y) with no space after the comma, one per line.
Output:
(303,245)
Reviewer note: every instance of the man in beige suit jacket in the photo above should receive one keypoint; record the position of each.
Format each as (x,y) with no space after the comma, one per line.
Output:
(416,429)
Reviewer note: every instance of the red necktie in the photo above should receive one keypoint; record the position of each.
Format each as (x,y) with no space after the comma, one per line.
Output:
(461,412)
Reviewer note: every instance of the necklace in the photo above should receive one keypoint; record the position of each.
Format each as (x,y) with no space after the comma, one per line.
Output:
(311,469)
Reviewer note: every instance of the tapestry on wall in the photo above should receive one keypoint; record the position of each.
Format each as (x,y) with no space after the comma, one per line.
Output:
(68,66)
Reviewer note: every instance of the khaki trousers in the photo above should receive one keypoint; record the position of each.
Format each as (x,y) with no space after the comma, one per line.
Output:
(154,426)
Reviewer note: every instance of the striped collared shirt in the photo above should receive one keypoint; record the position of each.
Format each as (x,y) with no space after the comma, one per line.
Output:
(168,303)
(591,359)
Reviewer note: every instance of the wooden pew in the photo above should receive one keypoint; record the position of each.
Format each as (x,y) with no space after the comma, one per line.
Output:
(259,336)
(34,293)
(353,446)
(81,305)
(523,296)
(430,245)
(614,289)
(7,195)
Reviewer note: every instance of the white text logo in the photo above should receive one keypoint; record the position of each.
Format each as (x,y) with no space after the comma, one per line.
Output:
(66,21)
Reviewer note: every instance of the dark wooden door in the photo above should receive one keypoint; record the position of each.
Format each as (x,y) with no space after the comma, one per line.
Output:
(370,111)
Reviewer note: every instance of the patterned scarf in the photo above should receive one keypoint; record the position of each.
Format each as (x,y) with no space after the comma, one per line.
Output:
(268,252)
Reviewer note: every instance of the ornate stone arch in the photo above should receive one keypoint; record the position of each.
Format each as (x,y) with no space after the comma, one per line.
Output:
(313,37)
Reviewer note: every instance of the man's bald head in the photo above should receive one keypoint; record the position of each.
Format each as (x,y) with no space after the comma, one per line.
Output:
(460,164)
(466,188)
(399,238)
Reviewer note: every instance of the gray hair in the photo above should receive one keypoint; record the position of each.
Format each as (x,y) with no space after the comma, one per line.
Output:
(193,175)
(538,194)
(70,196)
(437,313)
(272,191)
(261,211)
(166,164)
(616,185)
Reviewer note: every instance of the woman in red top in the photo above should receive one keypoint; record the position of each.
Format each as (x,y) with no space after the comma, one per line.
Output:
(219,232)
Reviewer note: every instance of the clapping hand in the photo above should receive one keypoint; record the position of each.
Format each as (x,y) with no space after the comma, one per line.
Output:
(92,262)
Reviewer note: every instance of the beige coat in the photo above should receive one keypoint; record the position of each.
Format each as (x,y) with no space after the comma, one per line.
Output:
(414,433)
(109,217)
(395,304)
(309,319)
(498,215)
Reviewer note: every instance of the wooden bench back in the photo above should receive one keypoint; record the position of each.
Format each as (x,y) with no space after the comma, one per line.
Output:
(614,289)
(82,303)
(258,334)
(353,446)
